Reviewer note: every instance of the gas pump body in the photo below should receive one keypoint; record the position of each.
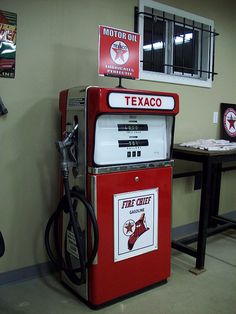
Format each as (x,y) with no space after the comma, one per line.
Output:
(125,140)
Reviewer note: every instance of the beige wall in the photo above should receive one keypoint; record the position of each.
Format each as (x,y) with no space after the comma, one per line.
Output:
(57,49)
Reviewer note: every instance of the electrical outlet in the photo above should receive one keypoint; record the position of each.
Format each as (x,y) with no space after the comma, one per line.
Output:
(215,117)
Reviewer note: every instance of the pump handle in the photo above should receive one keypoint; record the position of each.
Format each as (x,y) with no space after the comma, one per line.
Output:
(65,148)
(67,140)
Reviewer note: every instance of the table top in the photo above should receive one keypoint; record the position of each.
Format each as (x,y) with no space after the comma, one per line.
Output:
(183,152)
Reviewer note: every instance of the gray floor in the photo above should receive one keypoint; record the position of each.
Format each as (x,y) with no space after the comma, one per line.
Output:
(214,291)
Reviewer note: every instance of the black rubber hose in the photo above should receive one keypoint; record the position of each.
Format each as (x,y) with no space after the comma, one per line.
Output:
(77,234)
(65,264)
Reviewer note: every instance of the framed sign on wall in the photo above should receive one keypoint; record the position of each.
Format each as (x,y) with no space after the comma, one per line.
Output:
(228,121)
(7,44)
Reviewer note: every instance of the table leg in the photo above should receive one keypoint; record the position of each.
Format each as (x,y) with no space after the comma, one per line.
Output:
(204,214)
(215,193)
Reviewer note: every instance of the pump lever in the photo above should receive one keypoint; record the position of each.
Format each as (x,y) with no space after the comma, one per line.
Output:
(69,137)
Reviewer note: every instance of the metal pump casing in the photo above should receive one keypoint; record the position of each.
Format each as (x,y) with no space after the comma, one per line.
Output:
(125,140)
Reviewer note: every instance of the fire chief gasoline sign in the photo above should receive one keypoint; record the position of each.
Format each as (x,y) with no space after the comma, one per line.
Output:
(118,52)
(135,223)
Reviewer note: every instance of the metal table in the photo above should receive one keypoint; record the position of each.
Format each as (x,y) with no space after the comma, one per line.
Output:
(209,220)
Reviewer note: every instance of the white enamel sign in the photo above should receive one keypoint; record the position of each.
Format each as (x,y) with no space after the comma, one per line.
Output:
(141,101)
(135,223)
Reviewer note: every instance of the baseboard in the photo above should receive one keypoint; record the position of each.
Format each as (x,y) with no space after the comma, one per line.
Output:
(191,228)
(26,273)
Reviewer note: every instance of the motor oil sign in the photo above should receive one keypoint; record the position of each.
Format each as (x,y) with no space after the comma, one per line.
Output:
(118,52)
(135,223)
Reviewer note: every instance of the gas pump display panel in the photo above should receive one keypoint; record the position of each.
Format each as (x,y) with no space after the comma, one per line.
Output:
(122,139)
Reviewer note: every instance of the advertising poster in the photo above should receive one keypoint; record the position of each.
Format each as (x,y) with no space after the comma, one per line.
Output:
(135,223)
(228,122)
(118,53)
(7,44)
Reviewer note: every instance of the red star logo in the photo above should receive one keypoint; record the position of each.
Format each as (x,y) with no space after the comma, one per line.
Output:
(119,52)
(231,122)
(129,227)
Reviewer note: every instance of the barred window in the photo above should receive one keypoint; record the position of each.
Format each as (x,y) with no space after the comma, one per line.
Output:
(176,46)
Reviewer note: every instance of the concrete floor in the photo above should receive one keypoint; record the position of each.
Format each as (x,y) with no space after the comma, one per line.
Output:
(214,291)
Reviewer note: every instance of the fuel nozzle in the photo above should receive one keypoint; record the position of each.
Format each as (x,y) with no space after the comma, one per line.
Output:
(66,148)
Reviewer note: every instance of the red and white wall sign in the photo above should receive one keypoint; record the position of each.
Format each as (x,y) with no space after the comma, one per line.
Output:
(118,52)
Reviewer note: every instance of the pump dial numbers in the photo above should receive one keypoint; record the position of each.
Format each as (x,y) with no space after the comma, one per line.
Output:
(134,153)
(132,127)
(132,143)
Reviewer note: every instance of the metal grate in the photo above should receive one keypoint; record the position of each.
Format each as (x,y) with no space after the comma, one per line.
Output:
(186,58)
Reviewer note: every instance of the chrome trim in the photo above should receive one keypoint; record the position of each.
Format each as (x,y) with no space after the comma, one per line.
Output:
(93,186)
(119,168)
(94,193)
(85,89)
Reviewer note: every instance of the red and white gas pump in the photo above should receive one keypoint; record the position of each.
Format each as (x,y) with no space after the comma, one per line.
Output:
(125,140)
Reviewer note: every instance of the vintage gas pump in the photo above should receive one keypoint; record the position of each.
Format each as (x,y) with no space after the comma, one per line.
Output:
(124,148)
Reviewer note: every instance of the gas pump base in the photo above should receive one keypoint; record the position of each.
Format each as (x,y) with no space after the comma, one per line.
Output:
(119,299)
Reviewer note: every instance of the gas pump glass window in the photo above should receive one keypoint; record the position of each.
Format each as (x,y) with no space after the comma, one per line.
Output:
(123,139)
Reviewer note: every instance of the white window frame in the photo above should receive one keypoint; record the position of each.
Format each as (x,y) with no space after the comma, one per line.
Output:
(174,77)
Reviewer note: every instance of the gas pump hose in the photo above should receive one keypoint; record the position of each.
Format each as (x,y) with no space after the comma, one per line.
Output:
(65,264)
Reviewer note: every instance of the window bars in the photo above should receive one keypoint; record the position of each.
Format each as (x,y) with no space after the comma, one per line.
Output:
(177,45)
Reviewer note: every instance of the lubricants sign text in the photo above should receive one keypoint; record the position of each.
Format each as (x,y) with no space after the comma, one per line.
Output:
(118,52)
